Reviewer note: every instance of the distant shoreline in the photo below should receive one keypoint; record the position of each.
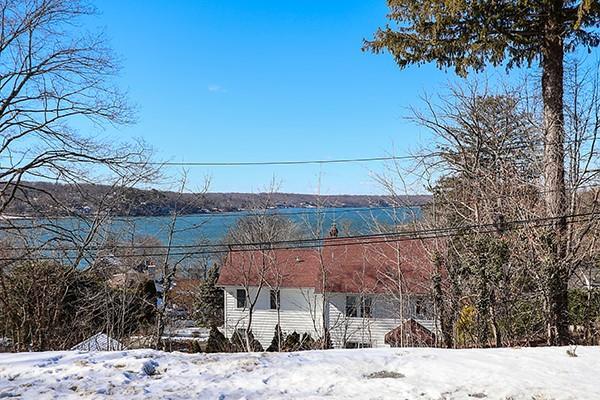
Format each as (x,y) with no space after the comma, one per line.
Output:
(273,210)
(44,199)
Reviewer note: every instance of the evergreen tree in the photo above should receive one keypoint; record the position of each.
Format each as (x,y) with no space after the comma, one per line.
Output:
(217,342)
(485,260)
(306,342)
(238,341)
(209,302)
(277,341)
(296,342)
(291,342)
(195,347)
(470,35)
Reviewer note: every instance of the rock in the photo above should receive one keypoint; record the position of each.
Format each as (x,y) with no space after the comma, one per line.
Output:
(149,367)
(384,374)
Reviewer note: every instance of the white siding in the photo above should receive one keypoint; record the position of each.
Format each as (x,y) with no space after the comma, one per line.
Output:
(300,311)
(369,331)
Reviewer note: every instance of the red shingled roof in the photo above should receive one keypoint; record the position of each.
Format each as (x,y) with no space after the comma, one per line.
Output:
(375,266)
(278,268)
(351,266)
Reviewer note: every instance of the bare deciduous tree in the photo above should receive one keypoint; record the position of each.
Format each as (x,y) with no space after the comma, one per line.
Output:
(486,176)
(258,267)
(55,82)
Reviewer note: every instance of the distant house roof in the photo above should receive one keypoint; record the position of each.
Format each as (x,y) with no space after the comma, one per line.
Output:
(99,342)
(349,265)
(184,292)
(126,279)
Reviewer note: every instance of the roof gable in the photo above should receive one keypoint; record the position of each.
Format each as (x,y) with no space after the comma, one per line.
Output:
(349,266)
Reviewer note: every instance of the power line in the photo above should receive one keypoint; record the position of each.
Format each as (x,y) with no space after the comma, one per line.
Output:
(396,205)
(329,243)
(269,213)
(340,241)
(431,236)
(316,161)
(328,161)
(285,162)
(277,162)
(391,236)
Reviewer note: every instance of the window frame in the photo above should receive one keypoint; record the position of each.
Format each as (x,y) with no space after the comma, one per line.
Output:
(421,307)
(241,299)
(275,296)
(351,311)
(357,345)
(366,307)
(361,306)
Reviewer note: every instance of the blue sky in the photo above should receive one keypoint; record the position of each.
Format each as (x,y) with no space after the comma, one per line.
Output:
(270,80)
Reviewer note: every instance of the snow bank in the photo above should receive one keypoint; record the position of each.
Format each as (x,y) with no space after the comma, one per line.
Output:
(526,373)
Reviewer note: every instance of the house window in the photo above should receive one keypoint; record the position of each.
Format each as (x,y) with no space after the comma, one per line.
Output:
(241,298)
(366,306)
(351,309)
(275,299)
(357,345)
(359,306)
(421,307)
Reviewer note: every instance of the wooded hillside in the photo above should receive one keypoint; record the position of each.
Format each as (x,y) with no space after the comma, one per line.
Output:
(40,197)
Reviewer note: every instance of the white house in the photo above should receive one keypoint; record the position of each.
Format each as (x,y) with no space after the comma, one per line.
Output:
(364,293)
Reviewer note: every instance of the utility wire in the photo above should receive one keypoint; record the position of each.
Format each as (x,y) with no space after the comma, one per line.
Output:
(310,246)
(295,162)
(332,161)
(339,241)
(396,205)
(317,162)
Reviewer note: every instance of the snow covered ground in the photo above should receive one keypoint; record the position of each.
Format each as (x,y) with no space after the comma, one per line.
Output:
(525,373)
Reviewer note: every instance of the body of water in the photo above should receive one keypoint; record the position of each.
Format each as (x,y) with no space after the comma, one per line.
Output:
(192,229)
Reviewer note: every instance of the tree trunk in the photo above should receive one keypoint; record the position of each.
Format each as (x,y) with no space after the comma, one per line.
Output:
(494,324)
(442,312)
(247,332)
(554,182)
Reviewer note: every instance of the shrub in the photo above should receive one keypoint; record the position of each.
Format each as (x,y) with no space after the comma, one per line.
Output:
(217,342)
(466,325)
(291,342)
(209,301)
(238,342)
(278,339)
(306,342)
(296,342)
(66,306)
(584,306)
(195,347)
(324,342)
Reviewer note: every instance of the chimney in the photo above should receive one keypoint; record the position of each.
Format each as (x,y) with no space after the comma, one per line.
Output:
(333,232)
